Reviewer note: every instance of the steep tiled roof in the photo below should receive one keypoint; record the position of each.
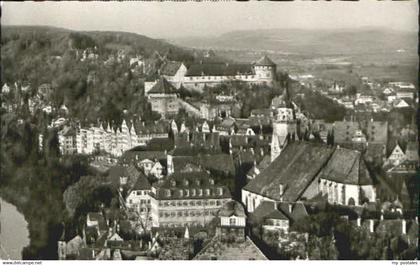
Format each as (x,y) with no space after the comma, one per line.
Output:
(170,68)
(142,183)
(265,208)
(162,87)
(133,156)
(287,170)
(298,210)
(192,177)
(118,171)
(215,249)
(232,208)
(218,69)
(348,167)
(265,61)
(219,162)
(377,131)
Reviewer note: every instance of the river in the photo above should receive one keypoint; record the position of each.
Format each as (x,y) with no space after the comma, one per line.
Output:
(14,235)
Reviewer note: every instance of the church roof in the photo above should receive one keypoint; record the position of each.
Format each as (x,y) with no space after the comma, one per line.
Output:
(287,170)
(348,167)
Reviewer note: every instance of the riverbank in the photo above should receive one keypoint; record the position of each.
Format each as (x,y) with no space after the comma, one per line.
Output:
(14,233)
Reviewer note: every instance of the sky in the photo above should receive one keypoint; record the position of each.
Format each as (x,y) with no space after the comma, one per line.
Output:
(181,19)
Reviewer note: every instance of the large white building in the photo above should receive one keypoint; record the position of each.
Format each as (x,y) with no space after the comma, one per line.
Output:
(198,75)
(114,141)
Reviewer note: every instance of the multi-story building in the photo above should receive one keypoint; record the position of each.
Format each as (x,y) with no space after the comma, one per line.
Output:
(199,75)
(67,140)
(164,98)
(187,198)
(117,141)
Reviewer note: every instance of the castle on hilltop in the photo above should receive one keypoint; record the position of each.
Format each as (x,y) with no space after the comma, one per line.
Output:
(198,75)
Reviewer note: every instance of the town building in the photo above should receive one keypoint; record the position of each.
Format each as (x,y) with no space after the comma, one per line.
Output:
(67,140)
(189,197)
(163,98)
(232,222)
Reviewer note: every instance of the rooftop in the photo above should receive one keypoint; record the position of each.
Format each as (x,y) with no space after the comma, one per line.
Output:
(287,170)
(217,250)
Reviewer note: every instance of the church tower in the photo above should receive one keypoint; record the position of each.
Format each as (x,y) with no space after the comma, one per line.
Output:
(284,123)
(61,246)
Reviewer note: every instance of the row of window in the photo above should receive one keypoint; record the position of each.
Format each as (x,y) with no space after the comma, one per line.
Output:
(190,203)
(187,213)
(182,224)
(130,201)
(219,77)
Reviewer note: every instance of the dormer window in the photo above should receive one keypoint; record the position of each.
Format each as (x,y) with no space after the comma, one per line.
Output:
(186,182)
(193,192)
(200,192)
(211,181)
(123,180)
(173,183)
(198,182)
(181,193)
(187,193)
(207,192)
(168,193)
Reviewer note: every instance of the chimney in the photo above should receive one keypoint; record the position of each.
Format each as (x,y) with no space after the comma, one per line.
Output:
(93,253)
(275,205)
(359,221)
(404,226)
(382,215)
(371,225)
(290,208)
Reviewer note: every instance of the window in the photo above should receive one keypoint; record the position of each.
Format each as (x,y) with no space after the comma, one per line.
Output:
(232,221)
(185,203)
(212,203)
(172,214)
(192,203)
(180,214)
(198,203)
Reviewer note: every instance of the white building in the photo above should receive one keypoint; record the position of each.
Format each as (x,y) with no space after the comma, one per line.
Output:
(198,75)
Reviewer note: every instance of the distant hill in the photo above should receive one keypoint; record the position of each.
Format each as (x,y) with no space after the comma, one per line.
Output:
(300,41)
(84,69)
(61,39)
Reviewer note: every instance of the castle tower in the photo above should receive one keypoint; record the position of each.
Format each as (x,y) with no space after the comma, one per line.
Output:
(265,70)
(284,124)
